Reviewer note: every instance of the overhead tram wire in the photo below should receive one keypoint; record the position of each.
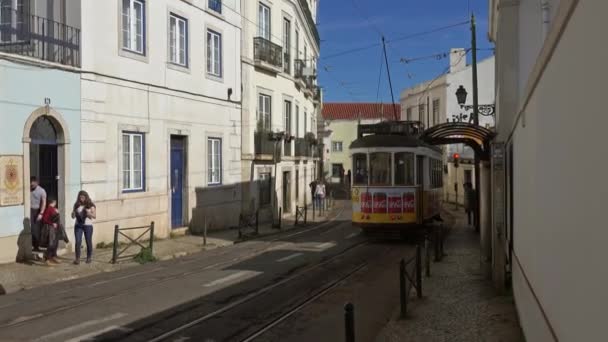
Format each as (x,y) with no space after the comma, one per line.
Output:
(389,41)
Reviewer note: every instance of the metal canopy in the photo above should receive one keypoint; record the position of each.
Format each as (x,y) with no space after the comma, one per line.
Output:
(476,137)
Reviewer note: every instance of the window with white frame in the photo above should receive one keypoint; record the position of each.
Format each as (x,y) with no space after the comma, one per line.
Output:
(264,21)
(178,40)
(13,16)
(297,121)
(264,113)
(214,161)
(214,53)
(287,118)
(336,146)
(133,25)
(132,161)
(286,45)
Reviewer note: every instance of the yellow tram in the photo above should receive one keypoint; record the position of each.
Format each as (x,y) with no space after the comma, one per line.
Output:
(396,178)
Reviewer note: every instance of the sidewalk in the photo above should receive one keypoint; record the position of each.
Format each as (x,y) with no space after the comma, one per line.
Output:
(22,276)
(459,303)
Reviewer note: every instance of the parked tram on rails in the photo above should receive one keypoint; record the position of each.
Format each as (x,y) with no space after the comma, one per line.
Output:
(397,178)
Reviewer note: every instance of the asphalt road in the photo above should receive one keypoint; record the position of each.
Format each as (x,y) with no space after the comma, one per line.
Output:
(287,287)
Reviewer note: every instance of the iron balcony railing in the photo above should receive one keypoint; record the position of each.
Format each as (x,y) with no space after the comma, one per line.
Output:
(302,148)
(298,68)
(266,51)
(215,5)
(29,35)
(263,144)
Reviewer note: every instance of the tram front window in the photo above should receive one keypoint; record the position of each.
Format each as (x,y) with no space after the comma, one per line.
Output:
(404,169)
(380,168)
(360,167)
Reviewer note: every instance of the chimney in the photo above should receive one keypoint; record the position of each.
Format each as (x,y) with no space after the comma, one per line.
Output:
(458,60)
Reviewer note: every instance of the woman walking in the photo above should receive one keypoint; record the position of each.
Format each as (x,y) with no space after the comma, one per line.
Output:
(84,213)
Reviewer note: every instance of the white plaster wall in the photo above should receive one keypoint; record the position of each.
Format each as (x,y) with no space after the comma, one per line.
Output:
(559,187)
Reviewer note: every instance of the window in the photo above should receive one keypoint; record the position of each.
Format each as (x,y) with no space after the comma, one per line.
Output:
(214,161)
(360,167)
(133,25)
(404,168)
(214,53)
(132,161)
(264,113)
(287,45)
(336,170)
(265,188)
(264,21)
(305,122)
(435,111)
(297,44)
(215,5)
(178,40)
(336,146)
(13,16)
(287,118)
(435,171)
(421,112)
(380,168)
(408,115)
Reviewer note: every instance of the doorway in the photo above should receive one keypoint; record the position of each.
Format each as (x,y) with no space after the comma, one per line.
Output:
(177,174)
(44,156)
(286,192)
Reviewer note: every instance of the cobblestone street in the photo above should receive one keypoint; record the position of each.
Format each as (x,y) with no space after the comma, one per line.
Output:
(459,304)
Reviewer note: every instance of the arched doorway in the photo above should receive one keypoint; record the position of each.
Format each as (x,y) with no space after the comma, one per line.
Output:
(44,154)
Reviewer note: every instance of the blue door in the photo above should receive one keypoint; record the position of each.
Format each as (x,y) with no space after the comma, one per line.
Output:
(177,181)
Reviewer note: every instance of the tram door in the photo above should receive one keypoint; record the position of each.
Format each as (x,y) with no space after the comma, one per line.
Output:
(420,184)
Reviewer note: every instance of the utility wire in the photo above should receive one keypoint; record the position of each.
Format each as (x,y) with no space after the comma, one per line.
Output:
(379,80)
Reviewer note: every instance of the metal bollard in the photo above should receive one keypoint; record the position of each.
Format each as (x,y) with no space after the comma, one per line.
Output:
(419,271)
(436,243)
(296,223)
(427,259)
(240,226)
(152,237)
(402,285)
(205,231)
(349,322)
(305,213)
(115,246)
(257,221)
(280,216)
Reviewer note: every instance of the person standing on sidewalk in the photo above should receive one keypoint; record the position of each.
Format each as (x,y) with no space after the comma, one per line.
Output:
(37,207)
(470,201)
(84,212)
(51,222)
(313,189)
(320,196)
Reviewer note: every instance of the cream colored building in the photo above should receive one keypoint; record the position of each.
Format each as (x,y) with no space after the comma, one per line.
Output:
(161,113)
(434,102)
(549,168)
(281,101)
(342,120)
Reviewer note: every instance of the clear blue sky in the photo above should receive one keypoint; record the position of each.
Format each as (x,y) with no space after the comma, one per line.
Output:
(349,24)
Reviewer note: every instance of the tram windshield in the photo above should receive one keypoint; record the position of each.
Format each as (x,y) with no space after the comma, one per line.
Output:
(380,168)
(360,167)
(404,168)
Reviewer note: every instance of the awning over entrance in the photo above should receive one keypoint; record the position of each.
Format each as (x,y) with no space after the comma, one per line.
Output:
(476,137)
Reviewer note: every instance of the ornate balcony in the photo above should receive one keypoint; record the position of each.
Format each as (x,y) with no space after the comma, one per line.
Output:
(267,55)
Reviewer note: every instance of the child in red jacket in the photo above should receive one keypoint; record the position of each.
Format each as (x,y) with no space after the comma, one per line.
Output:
(50,220)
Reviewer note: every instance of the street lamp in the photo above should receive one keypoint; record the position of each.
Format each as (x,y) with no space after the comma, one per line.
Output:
(461,95)
(484,109)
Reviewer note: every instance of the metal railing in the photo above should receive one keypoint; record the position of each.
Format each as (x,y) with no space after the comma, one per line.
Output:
(132,241)
(249,224)
(287,62)
(302,148)
(298,69)
(262,144)
(266,51)
(29,35)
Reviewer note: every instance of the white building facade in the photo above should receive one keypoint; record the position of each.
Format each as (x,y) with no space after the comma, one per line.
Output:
(434,102)
(281,101)
(161,113)
(549,172)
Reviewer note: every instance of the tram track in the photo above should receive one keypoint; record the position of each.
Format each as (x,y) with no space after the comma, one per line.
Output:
(19,321)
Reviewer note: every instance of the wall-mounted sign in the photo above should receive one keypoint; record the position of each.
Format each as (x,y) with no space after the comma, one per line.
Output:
(11,180)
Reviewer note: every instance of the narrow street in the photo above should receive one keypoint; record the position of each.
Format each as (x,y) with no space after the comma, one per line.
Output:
(231,294)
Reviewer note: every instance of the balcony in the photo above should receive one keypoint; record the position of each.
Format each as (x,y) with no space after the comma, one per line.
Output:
(317,98)
(298,72)
(303,148)
(287,148)
(267,55)
(263,145)
(29,35)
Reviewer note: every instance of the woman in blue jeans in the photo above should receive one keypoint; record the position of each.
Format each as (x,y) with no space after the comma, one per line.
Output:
(84,213)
